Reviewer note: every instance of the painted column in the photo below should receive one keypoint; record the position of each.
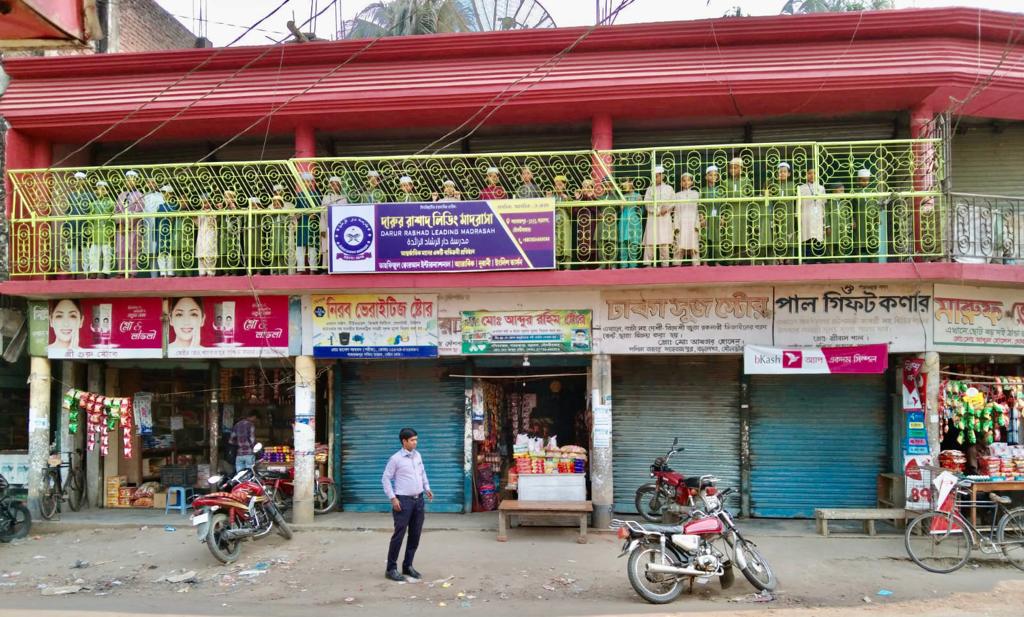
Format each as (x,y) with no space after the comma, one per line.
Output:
(112,461)
(214,419)
(305,438)
(601,141)
(601,489)
(932,377)
(67,378)
(467,443)
(38,428)
(921,117)
(93,481)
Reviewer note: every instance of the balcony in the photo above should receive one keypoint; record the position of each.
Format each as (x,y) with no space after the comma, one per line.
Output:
(741,204)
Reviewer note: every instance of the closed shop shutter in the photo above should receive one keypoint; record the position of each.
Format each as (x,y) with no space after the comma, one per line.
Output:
(546,139)
(378,399)
(839,130)
(151,155)
(988,163)
(677,137)
(657,399)
(816,441)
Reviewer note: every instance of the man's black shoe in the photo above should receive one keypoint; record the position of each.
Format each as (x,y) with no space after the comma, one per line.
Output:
(411,571)
(395,576)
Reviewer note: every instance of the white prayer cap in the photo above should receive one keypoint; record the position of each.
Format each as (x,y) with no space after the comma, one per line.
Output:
(334,179)
(711,168)
(373,174)
(659,169)
(736,161)
(306,175)
(405,180)
(278,187)
(686,174)
(864,173)
(101,183)
(784,164)
(254,200)
(131,173)
(167,188)
(80,175)
(449,183)
(492,170)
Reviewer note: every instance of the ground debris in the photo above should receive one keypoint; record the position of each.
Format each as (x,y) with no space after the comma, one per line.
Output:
(62,591)
(184,577)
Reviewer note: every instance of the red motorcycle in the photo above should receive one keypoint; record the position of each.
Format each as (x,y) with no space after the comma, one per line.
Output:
(663,557)
(239,509)
(281,487)
(671,492)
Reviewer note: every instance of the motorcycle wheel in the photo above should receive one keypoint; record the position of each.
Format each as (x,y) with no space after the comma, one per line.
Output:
(648,503)
(757,570)
(19,523)
(325,497)
(655,588)
(283,529)
(225,551)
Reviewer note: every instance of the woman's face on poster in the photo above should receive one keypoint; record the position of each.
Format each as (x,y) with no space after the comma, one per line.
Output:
(187,320)
(66,320)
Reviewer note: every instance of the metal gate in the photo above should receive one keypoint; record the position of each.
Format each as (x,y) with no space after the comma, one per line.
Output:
(378,399)
(816,441)
(658,399)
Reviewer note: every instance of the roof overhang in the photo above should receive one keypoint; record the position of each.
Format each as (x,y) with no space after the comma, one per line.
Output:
(35,24)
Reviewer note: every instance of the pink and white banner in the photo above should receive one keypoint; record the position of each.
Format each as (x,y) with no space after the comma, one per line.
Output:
(860,359)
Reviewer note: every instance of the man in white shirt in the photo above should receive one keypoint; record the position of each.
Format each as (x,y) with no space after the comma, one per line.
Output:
(151,202)
(659,234)
(812,216)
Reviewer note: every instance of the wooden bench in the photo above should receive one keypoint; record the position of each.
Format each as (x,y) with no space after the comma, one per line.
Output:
(868,515)
(524,509)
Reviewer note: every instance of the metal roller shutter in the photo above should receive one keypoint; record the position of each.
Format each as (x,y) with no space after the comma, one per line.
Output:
(816,441)
(988,163)
(658,399)
(677,137)
(852,130)
(378,399)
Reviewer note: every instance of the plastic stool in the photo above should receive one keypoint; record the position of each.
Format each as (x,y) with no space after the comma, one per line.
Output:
(182,503)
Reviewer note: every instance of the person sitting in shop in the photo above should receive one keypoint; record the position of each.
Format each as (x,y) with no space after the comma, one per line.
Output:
(976,451)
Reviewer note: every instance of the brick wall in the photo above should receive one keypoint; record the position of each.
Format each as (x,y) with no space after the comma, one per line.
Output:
(142,25)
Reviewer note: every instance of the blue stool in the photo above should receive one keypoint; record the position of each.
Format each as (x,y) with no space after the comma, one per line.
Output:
(183,499)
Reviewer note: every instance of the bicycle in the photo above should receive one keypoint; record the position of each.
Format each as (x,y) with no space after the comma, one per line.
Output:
(941,539)
(56,492)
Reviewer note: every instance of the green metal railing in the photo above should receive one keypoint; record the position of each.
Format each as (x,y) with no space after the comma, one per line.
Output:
(723,204)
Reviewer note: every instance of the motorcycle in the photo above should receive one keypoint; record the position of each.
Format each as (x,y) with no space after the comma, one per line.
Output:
(281,486)
(662,557)
(238,510)
(15,518)
(671,493)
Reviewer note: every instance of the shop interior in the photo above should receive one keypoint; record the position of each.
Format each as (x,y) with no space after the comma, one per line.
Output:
(531,434)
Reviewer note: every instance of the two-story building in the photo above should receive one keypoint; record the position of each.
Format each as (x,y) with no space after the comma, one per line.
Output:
(483,237)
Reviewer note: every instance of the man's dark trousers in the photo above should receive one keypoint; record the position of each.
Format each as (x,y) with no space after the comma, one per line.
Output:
(411,519)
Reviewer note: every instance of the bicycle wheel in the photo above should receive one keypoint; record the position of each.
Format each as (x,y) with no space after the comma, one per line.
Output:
(1010,537)
(934,546)
(49,500)
(76,489)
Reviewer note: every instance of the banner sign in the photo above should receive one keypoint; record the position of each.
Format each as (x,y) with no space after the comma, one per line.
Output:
(456,236)
(978,319)
(94,328)
(848,314)
(913,384)
(373,326)
(228,327)
(859,359)
(917,481)
(685,321)
(917,435)
(526,332)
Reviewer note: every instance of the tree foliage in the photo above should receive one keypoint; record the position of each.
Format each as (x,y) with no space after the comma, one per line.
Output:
(794,7)
(408,17)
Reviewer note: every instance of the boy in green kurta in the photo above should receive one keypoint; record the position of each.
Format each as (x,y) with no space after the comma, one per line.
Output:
(709,208)
(75,234)
(839,223)
(631,227)
(739,221)
(101,249)
(373,193)
(563,224)
(607,229)
(870,224)
(781,193)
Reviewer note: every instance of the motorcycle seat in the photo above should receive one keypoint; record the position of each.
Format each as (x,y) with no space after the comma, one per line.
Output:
(665,529)
(694,482)
(219,494)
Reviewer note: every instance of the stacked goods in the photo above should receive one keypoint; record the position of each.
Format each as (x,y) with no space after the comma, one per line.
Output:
(113,492)
(321,453)
(142,497)
(279,454)
(953,460)
(990,466)
(531,458)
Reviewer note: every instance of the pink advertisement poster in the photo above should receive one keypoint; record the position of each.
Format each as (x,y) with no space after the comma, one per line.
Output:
(227,327)
(96,328)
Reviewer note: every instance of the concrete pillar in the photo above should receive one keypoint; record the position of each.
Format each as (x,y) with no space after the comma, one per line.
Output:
(601,141)
(305,141)
(112,461)
(921,117)
(305,439)
(67,378)
(932,378)
(38,428)
(93,476)
(214,419)
(601,488)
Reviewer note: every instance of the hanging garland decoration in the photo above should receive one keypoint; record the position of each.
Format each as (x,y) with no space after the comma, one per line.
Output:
(969,412)
(103,414)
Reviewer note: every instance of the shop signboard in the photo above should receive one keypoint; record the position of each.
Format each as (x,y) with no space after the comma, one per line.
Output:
(917,481)
(979,319)
(917,436)
(684,321)
(38,328)
(847,314)
(856,359)
(228,327)
(371,326)
(456,236)
(526,332)
(109,329)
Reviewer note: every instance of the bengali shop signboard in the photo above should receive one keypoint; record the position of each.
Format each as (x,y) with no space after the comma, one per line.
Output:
(459,236)
(685,321)
(856,359)
(91,328)
(371,326)
(978,319)
(847,314)
(228,327)
(526,332)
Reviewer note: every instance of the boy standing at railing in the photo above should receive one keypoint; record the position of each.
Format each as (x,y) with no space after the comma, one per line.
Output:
(129,201)
(79,203)
(151,206)
(782,212)
(305,246)
(812,216)
(103,231)
(746,233)
(206,238)
(659,235)
(166,232)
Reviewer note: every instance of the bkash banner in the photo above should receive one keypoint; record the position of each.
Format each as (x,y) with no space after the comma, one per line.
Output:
(458,236)
(859,359)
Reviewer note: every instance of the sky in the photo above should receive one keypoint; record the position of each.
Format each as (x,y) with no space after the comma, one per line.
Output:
(226,19)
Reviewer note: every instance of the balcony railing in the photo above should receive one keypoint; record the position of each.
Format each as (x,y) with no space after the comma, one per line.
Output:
(738,204)
(986,228)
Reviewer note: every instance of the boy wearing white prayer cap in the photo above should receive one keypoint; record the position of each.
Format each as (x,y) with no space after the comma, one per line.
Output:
(493,190)
(711,231)
(659,232)
(406,192)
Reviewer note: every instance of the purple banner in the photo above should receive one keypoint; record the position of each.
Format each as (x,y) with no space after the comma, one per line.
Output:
(457,236)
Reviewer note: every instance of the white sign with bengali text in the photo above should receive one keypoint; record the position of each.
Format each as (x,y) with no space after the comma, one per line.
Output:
(978,319)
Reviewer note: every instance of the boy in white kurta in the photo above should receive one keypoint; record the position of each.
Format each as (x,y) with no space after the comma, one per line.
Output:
(687,223)
(658,235)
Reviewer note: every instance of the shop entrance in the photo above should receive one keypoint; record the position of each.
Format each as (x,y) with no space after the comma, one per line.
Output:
(531,434)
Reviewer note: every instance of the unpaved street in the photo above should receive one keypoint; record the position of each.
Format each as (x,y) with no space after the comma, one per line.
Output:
(540,572)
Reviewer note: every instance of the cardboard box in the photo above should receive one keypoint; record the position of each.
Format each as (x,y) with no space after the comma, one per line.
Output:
(124,496)
(159,500)
(113,486)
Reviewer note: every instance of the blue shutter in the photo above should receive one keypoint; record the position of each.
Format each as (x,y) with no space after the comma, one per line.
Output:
(816,441)
(378,399)
(658,399)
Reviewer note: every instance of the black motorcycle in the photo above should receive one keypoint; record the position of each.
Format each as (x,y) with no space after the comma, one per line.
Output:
(15,519)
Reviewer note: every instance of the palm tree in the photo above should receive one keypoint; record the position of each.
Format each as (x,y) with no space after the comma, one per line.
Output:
(793,7)
(406,17)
